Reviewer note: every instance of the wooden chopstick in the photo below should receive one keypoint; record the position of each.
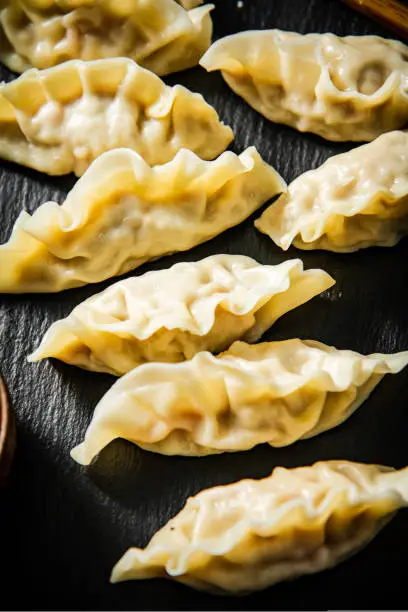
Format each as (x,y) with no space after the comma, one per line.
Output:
(389,13)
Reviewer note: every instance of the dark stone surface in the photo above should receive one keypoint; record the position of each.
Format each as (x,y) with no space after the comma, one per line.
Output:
(64,527)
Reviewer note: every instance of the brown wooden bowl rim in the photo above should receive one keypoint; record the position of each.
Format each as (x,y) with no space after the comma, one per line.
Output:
(7,432)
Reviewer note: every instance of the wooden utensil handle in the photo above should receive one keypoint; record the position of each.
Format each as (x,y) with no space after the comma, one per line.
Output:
(389,13)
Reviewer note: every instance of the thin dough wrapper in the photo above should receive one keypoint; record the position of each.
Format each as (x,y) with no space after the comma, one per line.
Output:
(276,392)
(170,315)
(158,34)
(60,120)
(354,200)
(254,533)
(122,213)
(351,88)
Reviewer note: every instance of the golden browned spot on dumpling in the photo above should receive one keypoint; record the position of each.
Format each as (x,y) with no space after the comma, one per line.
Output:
(372,77)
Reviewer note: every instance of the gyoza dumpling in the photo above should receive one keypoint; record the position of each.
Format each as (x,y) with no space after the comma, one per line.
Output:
(354,200)
(254,533)
(170,315)
(60,120)
(158,34)
(351,88)
(274,392)
(122,213)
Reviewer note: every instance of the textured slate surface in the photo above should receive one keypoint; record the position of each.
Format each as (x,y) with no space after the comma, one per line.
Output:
(63,527)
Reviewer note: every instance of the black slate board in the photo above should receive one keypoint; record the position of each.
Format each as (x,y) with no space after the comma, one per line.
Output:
(63,527)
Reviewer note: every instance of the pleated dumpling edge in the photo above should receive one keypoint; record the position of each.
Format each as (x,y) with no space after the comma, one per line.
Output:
(123,212)
(252,534)
(159,34)
(273,392)
(350,88)
(170,315)
(61,119)
(355,200)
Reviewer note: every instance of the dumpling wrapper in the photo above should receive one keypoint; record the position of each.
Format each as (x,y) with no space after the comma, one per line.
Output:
(170,315)
(351,88)
(158,34)
(274,392)
(61,119)
(123,213)
(354,200)
(254,533)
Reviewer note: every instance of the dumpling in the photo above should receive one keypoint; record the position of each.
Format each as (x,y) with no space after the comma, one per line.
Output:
(123,212)
(158,34)
(170,315)
(351,88)
(274,392)
(254,533)
(60,120)
(354,200)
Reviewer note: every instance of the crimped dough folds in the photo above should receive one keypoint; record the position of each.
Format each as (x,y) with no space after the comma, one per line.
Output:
(254,533)
(351,88)
(170,315)
(274,392)
(158,34)
(123,213)
(61,119)
(354,200)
